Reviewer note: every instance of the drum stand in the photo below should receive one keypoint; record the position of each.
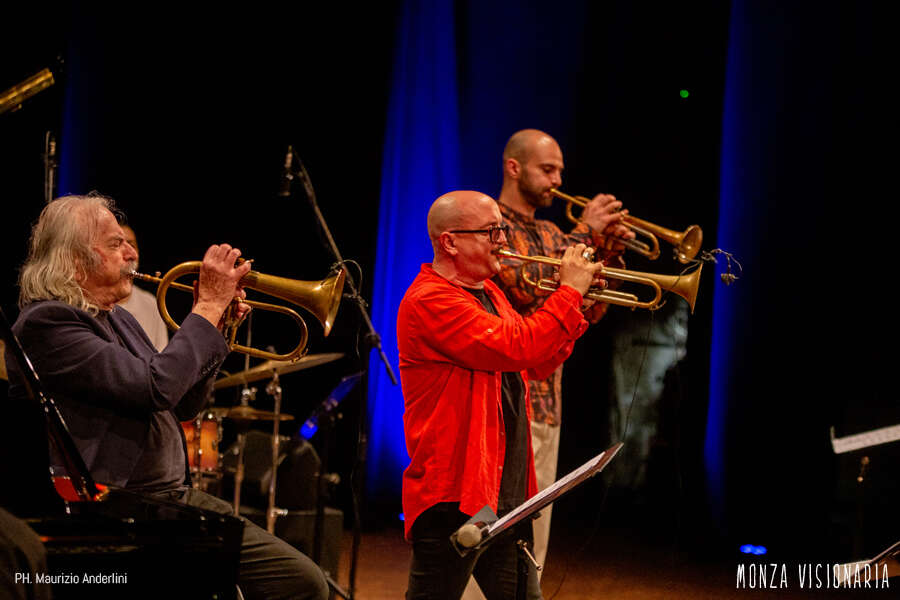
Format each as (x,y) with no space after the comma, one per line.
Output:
(274,390)
(247,394)
(239,473)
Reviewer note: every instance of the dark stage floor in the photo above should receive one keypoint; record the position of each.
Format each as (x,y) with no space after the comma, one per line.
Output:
(615,562)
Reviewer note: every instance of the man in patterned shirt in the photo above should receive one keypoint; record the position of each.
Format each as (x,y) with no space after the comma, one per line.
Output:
(532,165)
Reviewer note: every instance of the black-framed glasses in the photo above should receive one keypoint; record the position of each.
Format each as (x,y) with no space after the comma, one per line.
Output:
(494,232)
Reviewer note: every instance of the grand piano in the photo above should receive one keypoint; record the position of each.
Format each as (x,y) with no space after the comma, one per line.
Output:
(104,542)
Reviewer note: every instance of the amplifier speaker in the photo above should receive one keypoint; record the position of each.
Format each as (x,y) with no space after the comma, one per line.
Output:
(298,529)
(298,468)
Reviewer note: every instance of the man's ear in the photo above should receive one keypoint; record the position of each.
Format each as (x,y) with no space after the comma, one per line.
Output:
(513,168)
(80,272)
(448,243)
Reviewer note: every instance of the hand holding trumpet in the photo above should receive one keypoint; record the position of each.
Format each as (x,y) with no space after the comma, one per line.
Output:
(604,214)
(219,284)
(577,269)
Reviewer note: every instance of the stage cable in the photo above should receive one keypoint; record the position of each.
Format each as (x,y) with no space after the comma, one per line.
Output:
(728,277)
(596,527)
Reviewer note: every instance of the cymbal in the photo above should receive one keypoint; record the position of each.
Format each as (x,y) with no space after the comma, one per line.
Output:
(270,367)
(2,362)
(248,413)
(219,411)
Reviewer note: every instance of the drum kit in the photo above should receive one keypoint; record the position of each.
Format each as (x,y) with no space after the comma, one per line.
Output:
(322,298)
(204,433)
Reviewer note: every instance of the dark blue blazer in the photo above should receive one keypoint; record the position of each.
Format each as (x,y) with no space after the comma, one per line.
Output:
(107,392)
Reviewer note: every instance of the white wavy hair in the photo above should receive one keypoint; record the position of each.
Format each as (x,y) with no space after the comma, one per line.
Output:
(59,251)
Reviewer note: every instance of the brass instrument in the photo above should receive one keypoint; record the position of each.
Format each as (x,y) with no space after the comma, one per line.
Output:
(685,286)
(322,298)
(687,243)
(12,98)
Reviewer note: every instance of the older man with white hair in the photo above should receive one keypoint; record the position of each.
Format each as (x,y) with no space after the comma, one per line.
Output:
(122,399)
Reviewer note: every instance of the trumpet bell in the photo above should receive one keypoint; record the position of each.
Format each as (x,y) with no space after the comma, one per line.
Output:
(689,246)
(687,286)
(321,298)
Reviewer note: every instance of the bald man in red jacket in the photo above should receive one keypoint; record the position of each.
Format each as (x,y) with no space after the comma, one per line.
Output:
(465,359)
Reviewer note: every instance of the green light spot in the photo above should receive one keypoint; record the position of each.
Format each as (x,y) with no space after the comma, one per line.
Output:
(684,93)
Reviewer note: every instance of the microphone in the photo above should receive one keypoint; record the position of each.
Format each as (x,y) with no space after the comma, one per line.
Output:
(286,175)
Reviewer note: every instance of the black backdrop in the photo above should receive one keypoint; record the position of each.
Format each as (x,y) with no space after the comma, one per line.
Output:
(183,116)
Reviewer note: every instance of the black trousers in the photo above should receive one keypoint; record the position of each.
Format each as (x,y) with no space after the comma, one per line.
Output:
(438,572)
(270,567)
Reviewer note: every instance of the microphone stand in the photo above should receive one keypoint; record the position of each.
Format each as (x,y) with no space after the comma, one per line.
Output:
(50,166)
(372,338)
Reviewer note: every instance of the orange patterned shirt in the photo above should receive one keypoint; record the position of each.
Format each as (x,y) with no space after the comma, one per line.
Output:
(537,237)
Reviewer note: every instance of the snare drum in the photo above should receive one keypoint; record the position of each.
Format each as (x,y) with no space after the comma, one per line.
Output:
(203,435)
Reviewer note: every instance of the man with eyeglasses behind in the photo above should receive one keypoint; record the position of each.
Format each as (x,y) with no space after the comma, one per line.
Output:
(465,360)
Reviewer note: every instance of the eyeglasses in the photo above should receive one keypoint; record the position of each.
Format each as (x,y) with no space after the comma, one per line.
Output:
(494,231)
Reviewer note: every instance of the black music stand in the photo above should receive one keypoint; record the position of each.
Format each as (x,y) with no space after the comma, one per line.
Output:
(888,560)
(860,441)
(485,526)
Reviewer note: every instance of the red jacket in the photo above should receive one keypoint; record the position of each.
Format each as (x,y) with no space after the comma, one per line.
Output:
(452,352)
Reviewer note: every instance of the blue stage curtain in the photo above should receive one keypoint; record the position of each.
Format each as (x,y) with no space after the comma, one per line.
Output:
(455,99)
(421,162)
(732,176)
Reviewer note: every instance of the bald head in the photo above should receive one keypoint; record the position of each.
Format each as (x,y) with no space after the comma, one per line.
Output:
(524,142)
(457,210)
(465,257)
(532,166)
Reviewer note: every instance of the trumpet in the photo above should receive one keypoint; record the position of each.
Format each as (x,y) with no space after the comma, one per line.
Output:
(687,243)
(321,298)
(685,286)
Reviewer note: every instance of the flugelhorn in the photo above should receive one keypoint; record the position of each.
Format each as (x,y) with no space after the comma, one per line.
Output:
(321,298)
(687,243)
(685,286)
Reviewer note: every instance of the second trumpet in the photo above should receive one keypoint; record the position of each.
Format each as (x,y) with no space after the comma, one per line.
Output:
(687,243)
